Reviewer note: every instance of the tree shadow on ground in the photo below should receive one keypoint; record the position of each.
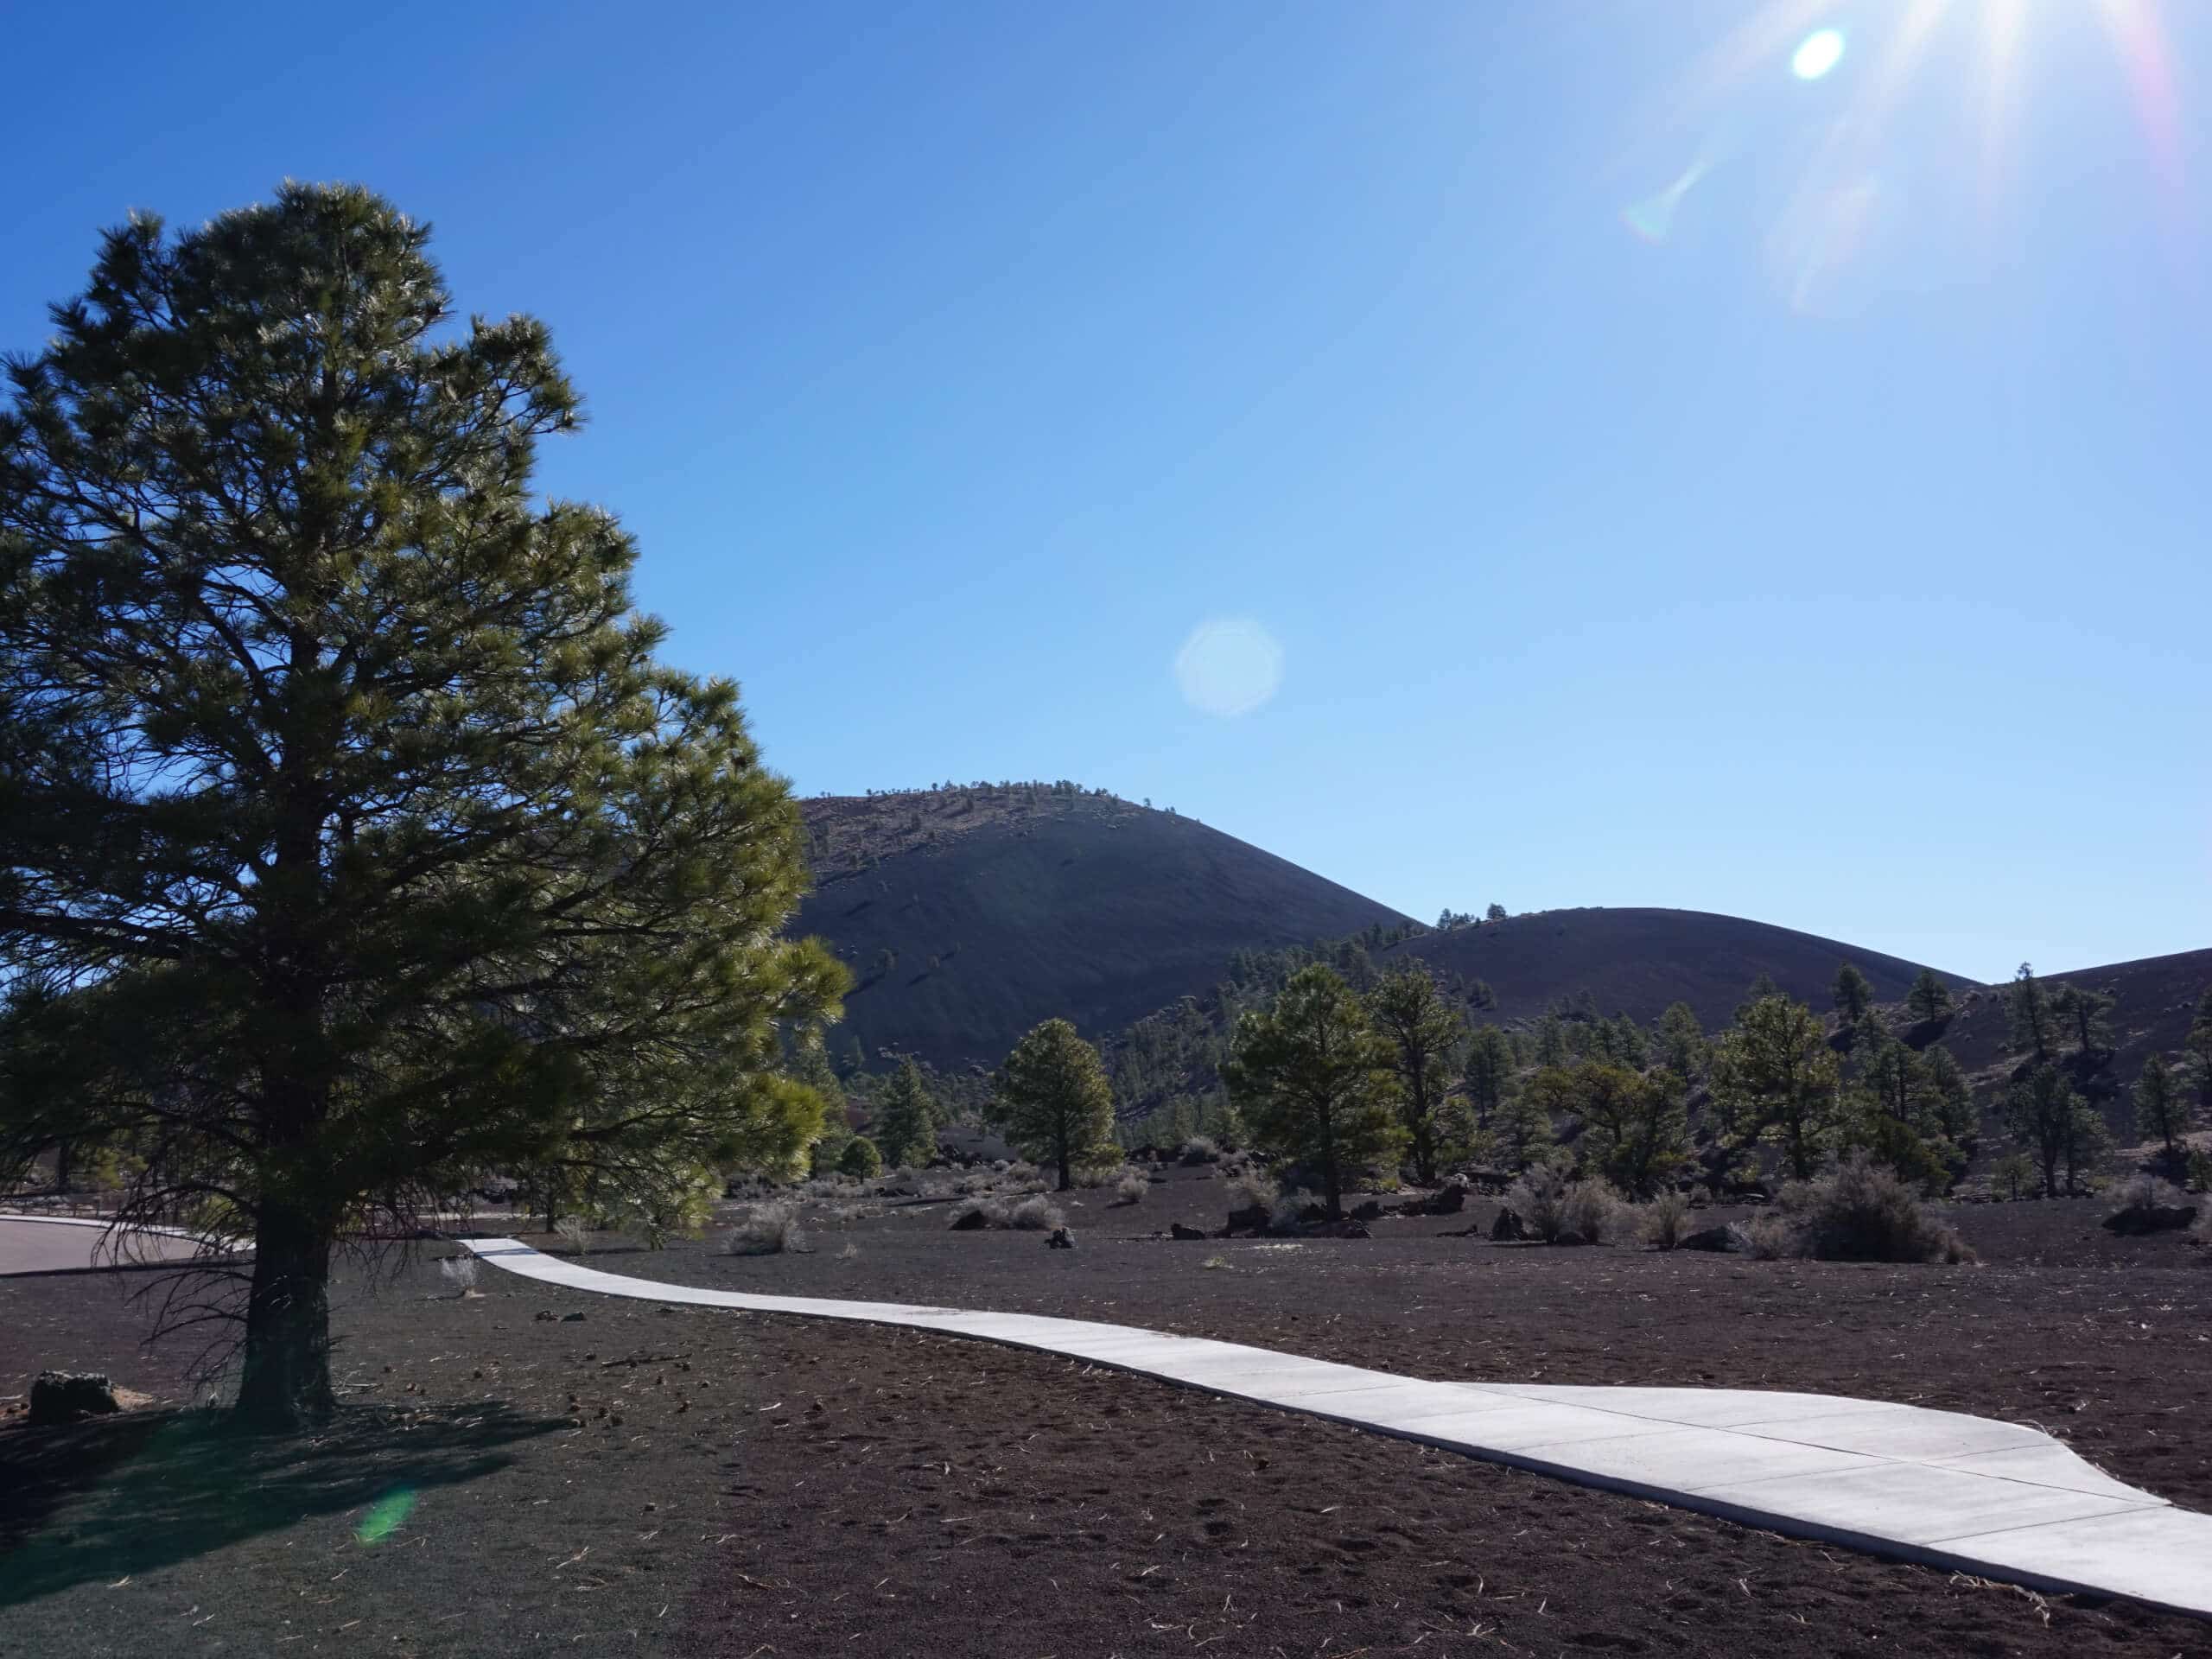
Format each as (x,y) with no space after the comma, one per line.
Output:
(145,1490)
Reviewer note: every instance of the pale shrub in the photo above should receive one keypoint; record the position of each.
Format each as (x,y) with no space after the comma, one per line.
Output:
(766,1230)
(1664,1220)
(1038,1215)
(460,1272)
(1556,1208)
(1862,1212)
(571,1232)
(1130,1188)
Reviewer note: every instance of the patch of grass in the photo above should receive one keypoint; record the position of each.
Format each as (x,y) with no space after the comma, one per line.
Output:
(1130,1188)
(1664,1221)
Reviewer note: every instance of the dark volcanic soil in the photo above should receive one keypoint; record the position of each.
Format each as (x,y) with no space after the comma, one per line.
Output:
(697,1482)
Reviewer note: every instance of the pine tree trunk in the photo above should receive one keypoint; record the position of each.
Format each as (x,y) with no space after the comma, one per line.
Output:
(286,1382)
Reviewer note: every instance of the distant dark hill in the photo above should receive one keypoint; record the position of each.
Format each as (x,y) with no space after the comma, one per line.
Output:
(1007,906)
(1638,962)
(2154,1000)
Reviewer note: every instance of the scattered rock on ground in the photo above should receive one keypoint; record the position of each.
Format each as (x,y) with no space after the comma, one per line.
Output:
(1177,1229)
(1370,1211)
(2139,1219)
(59,1397)
(572,1319)
(970,1221)
(1720,1240)
(1253,1218)
(1062,1239)
(1509,1227)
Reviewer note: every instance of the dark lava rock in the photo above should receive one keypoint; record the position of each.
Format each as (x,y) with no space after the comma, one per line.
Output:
(1445,1201)
(59,1397)
(970,1221)
(1177,1229)
(1251,1219)
(572,1319)
(1509,1227)
(1722,1241)
(2139,1219)
(1062,1239)
(1370,1211)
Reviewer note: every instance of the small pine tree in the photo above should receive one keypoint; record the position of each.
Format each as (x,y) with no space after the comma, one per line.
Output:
(907,1118)
(2198,1044)
(1488,1074)
(1929,1000)
(2088,1016)
(1682,1040)
(2042,1108)
(2161,1114)
(2028,1005)
(860,1159)
(1051,1099)
(1855,995)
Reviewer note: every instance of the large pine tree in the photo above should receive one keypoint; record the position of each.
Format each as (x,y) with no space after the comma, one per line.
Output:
(352,842)
(1312,1079)
(1423,1030)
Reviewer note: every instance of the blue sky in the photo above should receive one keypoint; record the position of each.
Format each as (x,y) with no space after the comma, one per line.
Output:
(1839,557)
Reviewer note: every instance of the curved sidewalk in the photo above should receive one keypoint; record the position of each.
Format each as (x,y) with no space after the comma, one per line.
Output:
(1993,1499)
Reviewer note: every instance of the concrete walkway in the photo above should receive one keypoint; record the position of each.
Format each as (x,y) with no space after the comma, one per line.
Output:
(1993,1499)
(75,1243)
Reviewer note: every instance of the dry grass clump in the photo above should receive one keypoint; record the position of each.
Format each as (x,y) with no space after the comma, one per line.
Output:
(1250,1191)
(571,1232)
(1200,1149)
(2142,1191)
(1288,1209)
(1560,1211)
(1664,1221)
(1037,1215)
(766,1230)
(1131,1187)
(1024,1178)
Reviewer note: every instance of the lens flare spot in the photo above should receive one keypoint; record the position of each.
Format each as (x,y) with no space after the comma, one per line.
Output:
(1229,666)
(1654,217)
(1819,52)
(385,1516)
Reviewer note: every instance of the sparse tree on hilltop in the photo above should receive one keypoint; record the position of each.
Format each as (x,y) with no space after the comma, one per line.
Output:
(1494,914)
(1775,1078)
(1929,1000)
(1052,1100)
(338,780)
(1312,1080)
(1422,1030)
